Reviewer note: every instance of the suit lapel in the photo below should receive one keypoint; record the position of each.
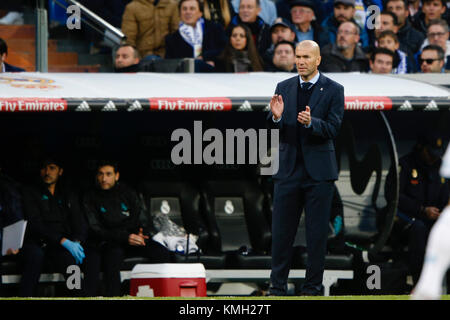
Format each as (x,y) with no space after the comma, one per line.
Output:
(292,95)
(319,90)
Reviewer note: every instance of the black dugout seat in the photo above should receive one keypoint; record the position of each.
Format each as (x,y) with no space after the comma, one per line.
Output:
(235,213)
(181,202)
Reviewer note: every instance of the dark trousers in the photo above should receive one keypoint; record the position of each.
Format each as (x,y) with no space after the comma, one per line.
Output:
(417,242)
(291,196)
(109,257)
(33,256)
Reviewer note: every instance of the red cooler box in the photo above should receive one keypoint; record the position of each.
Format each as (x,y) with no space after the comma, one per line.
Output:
(168,280)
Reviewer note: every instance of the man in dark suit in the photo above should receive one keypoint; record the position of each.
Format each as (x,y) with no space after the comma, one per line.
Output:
(5,67)
(308,110)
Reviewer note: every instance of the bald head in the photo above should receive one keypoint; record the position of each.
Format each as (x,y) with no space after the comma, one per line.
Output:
(309,45)
(307,59)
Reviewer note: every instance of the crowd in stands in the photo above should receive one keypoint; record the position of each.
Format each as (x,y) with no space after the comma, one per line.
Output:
(349,37)
(349,32)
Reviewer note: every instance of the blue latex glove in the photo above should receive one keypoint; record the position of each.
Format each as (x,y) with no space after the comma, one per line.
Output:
(337,225)
(75,249)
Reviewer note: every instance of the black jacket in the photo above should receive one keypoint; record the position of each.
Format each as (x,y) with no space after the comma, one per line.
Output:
(113,214)
(420,186)
(214,41)
(52,217)
(334,61)
(11,68)
(410,38)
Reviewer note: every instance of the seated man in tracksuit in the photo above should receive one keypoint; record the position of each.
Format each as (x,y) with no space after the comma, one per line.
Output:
(116,225)
(423,194)
(54,229)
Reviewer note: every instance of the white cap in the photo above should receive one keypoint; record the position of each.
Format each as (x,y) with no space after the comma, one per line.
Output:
(445,167)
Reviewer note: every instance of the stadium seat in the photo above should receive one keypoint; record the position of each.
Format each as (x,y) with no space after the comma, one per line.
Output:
(234,210)
(180,200)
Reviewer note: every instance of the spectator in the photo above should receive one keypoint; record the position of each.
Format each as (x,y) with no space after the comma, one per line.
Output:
(422,196)
(127,59)
(240,54)
(381,61)
(196,37)
(403,63)
(388,21)
(248,15)
(146,23)
(303,17)
(438,34)
(345,55)
(218,11)
(413,7)
(410,39)
(5,67)
(321,8)
(268,10)
(431,10)
(283,58)
(280,30)
(432,59)
(55,227)
(117,221)
(343,10)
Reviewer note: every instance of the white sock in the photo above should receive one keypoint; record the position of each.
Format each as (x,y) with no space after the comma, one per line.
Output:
(437,260)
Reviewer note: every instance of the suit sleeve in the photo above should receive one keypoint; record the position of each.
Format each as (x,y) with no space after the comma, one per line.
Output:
(328,128)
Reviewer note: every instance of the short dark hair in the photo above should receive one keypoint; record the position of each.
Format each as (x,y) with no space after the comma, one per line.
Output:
(382,51)
(440,52)
(200,4)
(3,47)
(284,42)
(393,15)
(443,2)
(405,3)
(388,33)
(135,51)
(108,162)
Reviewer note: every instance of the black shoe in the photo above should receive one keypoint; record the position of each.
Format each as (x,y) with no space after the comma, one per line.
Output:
(308,291)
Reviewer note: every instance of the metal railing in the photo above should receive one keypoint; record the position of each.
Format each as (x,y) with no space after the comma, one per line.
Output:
(88,17)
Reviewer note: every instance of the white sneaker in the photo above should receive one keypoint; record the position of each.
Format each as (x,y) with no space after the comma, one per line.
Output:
(12,18)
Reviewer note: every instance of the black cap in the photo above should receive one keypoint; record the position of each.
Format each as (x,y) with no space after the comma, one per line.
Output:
(434,143)
(282,22)
(303,3)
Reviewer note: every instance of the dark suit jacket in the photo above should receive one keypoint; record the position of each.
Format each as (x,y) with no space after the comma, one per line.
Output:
(214,40)
(11,68)
(317,141)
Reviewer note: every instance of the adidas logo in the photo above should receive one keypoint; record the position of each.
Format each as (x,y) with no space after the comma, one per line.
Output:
(110,106)
(246,106)
(136,106)
(83,107)
(406,106)
(432,106)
